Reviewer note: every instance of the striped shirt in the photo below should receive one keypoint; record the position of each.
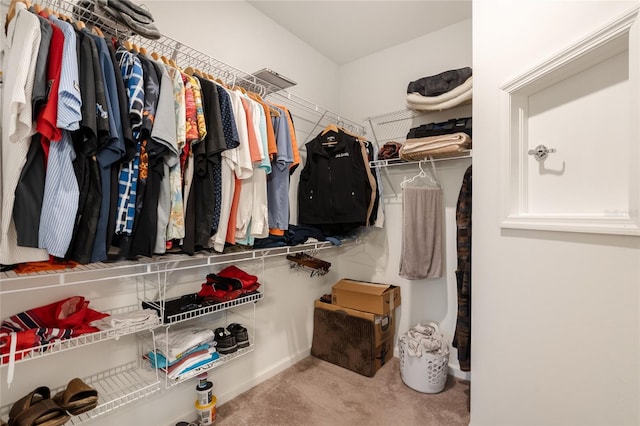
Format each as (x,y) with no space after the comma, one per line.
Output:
(69,99)
(60,201)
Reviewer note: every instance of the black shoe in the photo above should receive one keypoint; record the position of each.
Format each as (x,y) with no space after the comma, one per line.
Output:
(225,342)
(240,333)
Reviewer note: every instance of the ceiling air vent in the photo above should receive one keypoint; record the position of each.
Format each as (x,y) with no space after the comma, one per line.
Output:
(275,79)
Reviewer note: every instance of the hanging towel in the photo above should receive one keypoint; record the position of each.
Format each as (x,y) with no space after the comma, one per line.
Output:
(421,253)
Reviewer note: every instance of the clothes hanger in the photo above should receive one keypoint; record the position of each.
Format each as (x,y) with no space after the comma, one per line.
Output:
(155,56)
(189,71)
(143,51)
(37,8)
(331,127)
(422,179)
(97,31)
(80,25)
(127,45)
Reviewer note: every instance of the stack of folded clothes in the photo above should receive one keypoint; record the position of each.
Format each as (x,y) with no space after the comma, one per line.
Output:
(180,351)
(453,125)
(228,284)
(124,12)
(437,139)
(437,92)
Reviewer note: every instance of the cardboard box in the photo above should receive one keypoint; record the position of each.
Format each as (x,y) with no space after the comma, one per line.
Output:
(365,296)
(359,341)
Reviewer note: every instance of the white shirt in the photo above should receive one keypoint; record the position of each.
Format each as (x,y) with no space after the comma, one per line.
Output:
(19,63)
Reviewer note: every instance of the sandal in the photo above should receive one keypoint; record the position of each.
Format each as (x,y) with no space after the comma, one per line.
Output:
(37,408)
(77,398)
(43,413)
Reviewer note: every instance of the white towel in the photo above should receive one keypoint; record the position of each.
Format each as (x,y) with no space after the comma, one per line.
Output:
(417,102)
(131,319)
(417,98)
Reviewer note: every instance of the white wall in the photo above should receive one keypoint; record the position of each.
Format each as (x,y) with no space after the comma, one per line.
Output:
(375,85)
(238,34)
(555,315)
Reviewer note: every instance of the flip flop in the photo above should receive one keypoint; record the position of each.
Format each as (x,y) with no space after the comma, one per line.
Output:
(77,398)
(43,413)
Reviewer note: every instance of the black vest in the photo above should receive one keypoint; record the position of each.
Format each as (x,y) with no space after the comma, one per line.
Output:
(334,187)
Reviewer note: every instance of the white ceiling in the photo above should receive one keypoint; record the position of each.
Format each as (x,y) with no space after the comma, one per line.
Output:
(344,31)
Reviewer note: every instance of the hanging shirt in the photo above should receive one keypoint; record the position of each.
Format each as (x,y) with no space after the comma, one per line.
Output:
(144,228)
(278,179)
(46,123)
(20,48)
(231,140)
(132,75)
(69,99)
(30,190)
(39,95)
(206,155)
(164,132)
(197,98)
(113,149)
(60,202)
(175,227)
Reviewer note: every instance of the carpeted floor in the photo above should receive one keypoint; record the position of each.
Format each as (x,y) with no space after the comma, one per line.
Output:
(315,392)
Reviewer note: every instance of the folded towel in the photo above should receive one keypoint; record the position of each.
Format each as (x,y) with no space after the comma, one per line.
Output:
(440,83)
(416,102)
(421,148)
(131,319)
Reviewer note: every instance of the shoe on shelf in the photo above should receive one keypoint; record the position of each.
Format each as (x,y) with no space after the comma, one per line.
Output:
(225,341)
(240,333)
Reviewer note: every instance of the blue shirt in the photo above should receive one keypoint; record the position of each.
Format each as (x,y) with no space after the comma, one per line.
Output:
(278,179)
(60,201)
(69,98)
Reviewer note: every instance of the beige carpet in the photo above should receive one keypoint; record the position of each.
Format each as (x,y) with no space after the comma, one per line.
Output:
(315,392)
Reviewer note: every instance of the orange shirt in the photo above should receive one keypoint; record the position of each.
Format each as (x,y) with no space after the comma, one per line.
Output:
(231,227)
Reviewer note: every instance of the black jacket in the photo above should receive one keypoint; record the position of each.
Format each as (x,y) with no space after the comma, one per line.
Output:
(334,187)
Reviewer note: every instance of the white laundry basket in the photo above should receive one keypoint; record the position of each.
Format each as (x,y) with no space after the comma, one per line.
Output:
(426,373)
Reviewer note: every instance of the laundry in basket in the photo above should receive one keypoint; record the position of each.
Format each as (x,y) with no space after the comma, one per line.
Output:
(424,357)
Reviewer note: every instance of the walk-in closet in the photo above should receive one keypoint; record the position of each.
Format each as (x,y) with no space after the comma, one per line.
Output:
(285,153)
